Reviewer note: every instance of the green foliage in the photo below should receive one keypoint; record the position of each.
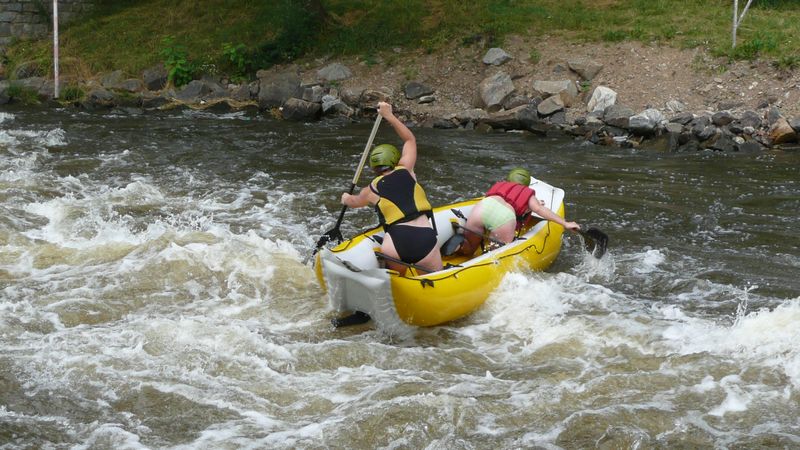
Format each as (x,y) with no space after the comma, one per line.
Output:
(22,94)
(129,34)
(614,36)
(72,94)
(295,32)
(237,57)
(752,48)
(788,62)
(535,56)
(176,61)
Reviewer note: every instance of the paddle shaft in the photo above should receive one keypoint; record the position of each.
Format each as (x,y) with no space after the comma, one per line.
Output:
(360,167)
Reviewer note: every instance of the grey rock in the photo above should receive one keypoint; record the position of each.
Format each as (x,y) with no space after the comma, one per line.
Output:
(675,106)
(275,89)
(496,56)
(587,69)
(722,118)
(300,110)
(602,98)
(192,92)
(683,118)
(334,72)
(415,89)
(494,90)
(617,115)
(550,105)
(781,132)
(155,78)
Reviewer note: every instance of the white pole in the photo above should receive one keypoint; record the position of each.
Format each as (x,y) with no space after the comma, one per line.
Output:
(55,48)
(735,22)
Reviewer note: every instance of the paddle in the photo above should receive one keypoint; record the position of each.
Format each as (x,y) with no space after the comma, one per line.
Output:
(334,234)
(595,241)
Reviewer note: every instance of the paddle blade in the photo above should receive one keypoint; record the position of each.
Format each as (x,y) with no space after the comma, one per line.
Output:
(333,235)
(595,242)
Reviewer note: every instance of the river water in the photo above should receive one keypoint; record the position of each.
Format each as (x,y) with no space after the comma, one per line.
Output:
(153,294)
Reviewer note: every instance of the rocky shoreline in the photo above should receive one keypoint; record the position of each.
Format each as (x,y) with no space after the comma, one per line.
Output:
(569,104)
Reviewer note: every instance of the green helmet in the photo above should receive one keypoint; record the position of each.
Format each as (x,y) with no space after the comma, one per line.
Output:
(519,175)
(384,155)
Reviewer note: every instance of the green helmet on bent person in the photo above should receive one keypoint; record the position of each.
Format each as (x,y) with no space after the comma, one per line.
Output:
(384,157)
(520,176)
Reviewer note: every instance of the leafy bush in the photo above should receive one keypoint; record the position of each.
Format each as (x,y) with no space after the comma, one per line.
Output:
(236,56)
(176,61)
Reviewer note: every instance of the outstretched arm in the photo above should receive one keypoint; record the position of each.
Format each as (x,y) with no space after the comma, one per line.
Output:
(545,213)
(409,156)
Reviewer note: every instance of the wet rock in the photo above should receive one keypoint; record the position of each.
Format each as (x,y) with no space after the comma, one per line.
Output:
(749,147)
(99,98)
(781,132)
(795,124)
(300,110)
(192,92)
(646,122)
(275,89)
(496,56)
(724,143)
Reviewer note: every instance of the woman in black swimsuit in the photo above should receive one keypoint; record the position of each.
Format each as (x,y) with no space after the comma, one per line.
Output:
(401,203)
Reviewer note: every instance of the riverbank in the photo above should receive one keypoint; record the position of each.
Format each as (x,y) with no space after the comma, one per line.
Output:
(656,96)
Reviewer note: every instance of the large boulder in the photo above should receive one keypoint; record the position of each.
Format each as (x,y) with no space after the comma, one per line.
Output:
(781,132)
(155,78)
(493,91)
(565,88)
(276,88)
(602,98)
(617,116)
(300,110)
(646,122)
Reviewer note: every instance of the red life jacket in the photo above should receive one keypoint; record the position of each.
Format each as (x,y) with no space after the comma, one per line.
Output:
(514,194)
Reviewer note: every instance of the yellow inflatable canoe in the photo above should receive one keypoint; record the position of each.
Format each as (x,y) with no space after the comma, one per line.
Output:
(351,275)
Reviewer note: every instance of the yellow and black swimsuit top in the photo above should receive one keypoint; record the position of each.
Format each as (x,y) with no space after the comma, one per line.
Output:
(401,197)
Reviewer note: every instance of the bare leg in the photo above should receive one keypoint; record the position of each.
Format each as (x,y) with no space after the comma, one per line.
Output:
(387,248)
(474,223)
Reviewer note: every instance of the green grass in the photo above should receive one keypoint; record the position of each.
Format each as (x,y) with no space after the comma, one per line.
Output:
(130,34)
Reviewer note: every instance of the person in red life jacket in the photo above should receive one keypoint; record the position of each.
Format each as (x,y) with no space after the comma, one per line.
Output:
(504,209)
(402,206)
